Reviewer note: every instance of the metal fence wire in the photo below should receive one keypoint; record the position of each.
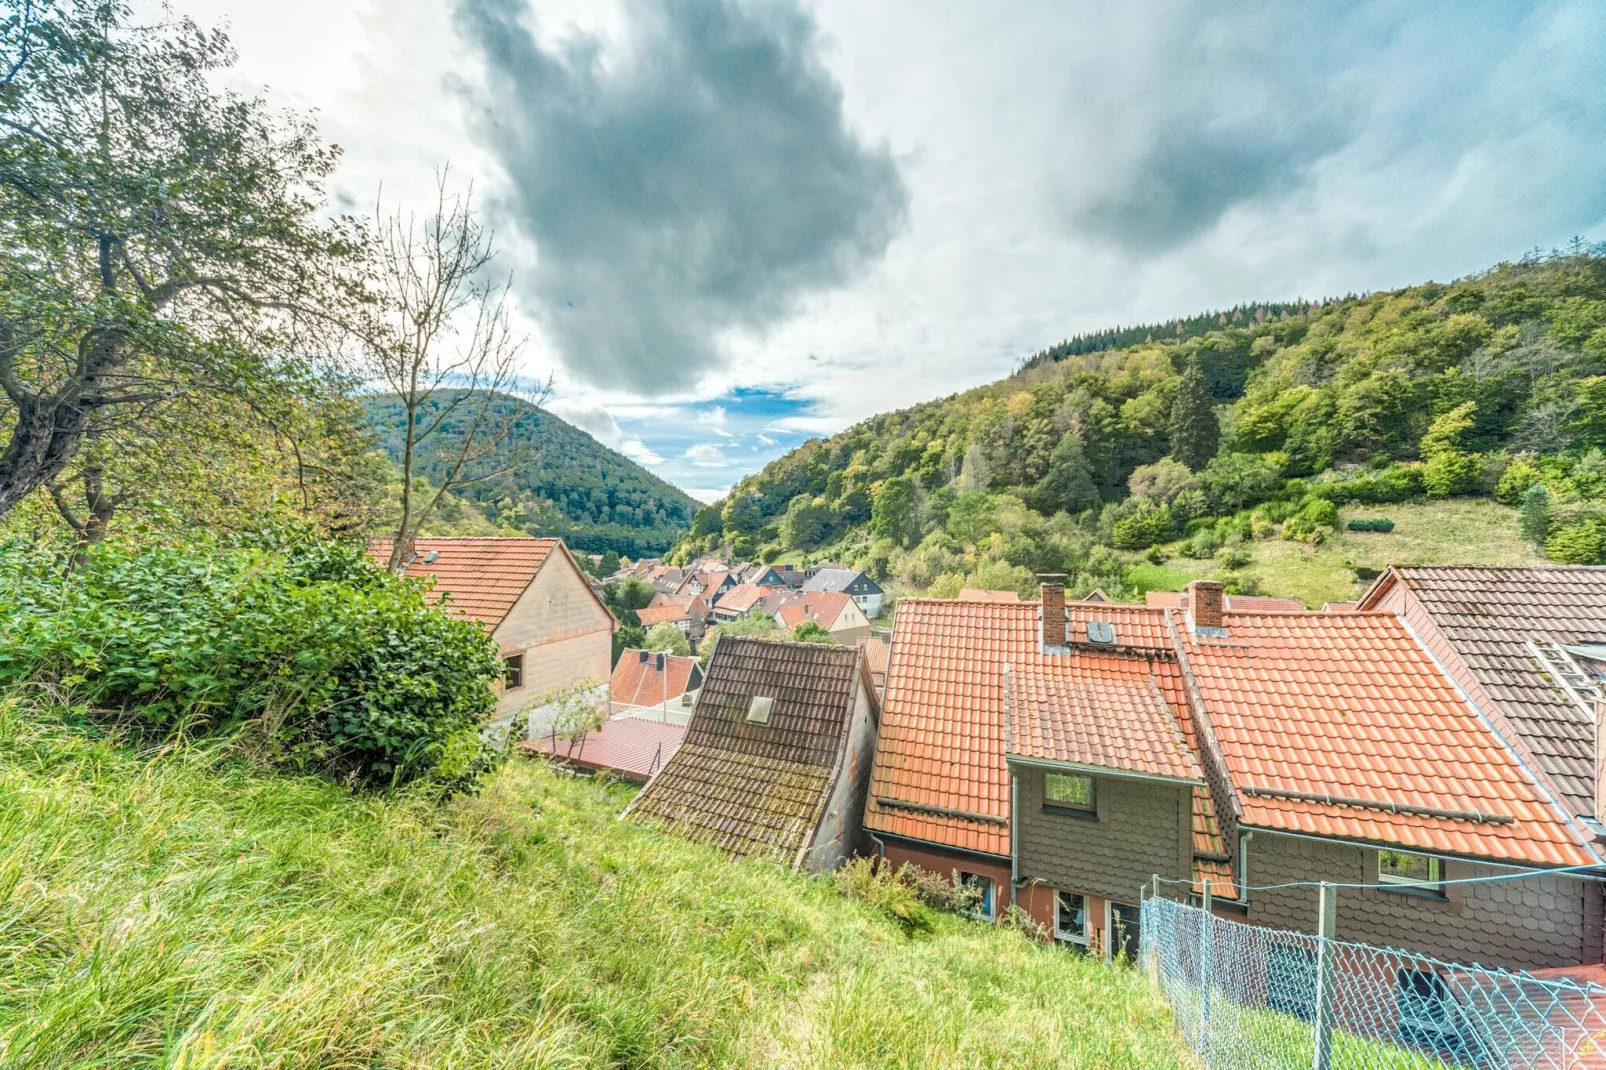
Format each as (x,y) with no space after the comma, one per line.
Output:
(1250,997)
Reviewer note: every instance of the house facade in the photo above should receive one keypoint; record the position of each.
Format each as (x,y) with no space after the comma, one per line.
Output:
(864,591)
(553,631)
(689,613)
(836,613)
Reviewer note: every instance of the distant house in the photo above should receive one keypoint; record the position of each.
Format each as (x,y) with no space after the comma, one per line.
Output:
(739,601)
(664,579)
(534,600)
(836,613)
(790,575)
(759,575)
(709,585)
(776,758)
(650,684)
(864,591)
(689,613)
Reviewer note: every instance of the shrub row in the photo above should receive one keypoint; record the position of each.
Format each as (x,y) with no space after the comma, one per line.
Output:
(1378,524)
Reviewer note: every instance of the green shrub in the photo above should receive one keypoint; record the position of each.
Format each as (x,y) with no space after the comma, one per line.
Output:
(1232,557)
(890,891)
(1533,515)
(1201,545)
(1144,528)
(1396,483)
(341,667)
(1582,542)
(1451,472)
(1378,524)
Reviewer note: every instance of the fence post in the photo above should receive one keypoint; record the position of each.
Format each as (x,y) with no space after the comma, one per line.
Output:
(1207,951)
(1326,928)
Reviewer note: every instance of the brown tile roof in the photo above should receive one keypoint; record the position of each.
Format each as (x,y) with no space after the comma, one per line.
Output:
(634,747)
(741,598)
(759,791)
(1489,615)
(484,576)
(977,594)
(1340,725)
(1097,711)
(822,607)
(644,678)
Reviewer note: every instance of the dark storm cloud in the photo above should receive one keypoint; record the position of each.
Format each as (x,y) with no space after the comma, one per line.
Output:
(699,179)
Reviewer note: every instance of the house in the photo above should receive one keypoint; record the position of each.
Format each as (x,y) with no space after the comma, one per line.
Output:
(1508,637)
(531,596)
(706,584)
(654,684)
(689,613)
(739,601)
(630,748)
(1236,603)
(761,575)
(664,579)
(856,585)
(836,613)
(1061,755)
(776,758)
(791,576)
(876,653)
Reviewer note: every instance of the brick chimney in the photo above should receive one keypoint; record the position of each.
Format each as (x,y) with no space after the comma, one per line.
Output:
(1204,602)
(1053,614)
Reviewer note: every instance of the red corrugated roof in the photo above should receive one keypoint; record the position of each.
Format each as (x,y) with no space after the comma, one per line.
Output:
(634,747)
(484,576)
(638,682)
(1348,705)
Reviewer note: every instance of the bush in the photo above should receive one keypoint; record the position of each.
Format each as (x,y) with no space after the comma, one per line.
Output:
(811,632)
(1379,524)
(1156,555)
(1396,483)
(1450,472)
(1232,557)
(890,891)
(344,668)
(1144,528)
(1582,542)
(1201,545)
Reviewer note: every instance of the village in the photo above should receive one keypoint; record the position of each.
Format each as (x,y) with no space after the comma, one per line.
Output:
(1421,764)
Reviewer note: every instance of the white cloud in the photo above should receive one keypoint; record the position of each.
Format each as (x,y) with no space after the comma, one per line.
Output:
(639,452)
(593,419)
(714,420)
(707,495)
(706,455)
(766,440)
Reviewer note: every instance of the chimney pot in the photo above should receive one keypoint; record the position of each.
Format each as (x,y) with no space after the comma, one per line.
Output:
(1053,596)
(1205,602)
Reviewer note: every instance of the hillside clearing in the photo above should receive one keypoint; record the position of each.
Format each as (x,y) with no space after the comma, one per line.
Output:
(178,910)
(1467,531)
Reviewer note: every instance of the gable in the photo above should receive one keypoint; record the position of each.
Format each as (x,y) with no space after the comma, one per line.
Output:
(557,604)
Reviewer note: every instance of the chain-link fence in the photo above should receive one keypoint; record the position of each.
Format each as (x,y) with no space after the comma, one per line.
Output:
(1250,997)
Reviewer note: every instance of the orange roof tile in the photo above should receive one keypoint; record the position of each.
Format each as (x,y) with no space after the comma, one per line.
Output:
(483,576)
(652,615)
(643,678)
(822,607)
(741,598)
(876,651)
(977,594)
(1318,708)
(1097,711)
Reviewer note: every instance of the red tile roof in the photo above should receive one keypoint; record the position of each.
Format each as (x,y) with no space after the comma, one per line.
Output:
(1097,711)
(977,594)
(1340,725)
(640,681)
(666,614)
(822,607)
(741,598)
(876,652)
(484,576)
(634,747)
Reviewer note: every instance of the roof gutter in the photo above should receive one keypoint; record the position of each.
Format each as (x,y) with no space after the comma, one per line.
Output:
(1505,863)
(1100,770)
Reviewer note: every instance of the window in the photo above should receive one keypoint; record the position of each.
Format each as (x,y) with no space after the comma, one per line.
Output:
(1070,921)
(758,710)
(1126,932)
(513,671)
(982,887)
(1422,873)
(1068,792)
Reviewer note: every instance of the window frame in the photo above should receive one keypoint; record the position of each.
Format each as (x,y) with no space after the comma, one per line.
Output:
(1090,809)
(988,909)
(1432,887)
(1082,943)
(513,671)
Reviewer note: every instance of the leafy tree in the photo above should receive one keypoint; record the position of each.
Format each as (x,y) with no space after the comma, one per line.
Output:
(1589,421)
(668,639)
(628,637)
(1068,484)
(1533,515)
(1448,432)
(1194,431)
(1149,525)
(807,522)
(608,565)
(811,632)
(743,515)
(894,511)
(756,625)
(1163,480)
(161,237)
(624,597)
(707,522)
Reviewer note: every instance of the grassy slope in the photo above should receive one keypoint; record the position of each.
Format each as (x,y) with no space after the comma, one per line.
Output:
(1470,531)
(178,912)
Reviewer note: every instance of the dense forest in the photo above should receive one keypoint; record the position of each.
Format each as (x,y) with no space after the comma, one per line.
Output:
(1199,439)
(551,478)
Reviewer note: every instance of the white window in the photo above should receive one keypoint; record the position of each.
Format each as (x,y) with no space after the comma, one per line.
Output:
(983,888)
(1068,792)
(1422,873)
(1071,921)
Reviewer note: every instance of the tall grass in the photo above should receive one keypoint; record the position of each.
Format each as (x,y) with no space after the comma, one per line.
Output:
(177,910)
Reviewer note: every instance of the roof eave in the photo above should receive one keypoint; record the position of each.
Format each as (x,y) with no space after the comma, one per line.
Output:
(1102,770)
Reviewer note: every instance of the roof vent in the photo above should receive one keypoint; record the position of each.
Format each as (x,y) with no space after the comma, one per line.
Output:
(429,558)
(1101,632)
(758,710)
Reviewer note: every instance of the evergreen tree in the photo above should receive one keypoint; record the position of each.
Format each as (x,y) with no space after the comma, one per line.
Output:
(1533,516)
(1068,483)
(1195,432)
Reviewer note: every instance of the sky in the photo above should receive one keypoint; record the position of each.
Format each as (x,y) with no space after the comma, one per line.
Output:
(732,225)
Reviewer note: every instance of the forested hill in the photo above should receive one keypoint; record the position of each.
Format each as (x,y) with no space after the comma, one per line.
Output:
(1224,426)
(572,485)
